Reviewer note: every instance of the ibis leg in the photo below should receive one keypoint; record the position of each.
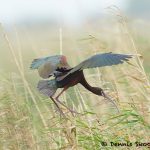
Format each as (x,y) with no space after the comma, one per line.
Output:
(59,109)
(72,111)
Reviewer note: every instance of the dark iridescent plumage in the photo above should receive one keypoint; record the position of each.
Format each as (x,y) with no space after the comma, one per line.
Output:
(101,60)
(65,76)
(47,66)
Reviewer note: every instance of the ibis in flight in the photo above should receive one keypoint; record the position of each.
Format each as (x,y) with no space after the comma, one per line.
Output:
(66,76)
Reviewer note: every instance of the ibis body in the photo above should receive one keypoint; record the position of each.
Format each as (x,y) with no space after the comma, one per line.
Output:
(66,76)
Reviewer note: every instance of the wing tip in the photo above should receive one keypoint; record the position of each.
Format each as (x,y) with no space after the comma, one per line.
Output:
(33,64)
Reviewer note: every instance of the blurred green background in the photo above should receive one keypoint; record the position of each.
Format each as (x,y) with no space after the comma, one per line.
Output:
(77,29)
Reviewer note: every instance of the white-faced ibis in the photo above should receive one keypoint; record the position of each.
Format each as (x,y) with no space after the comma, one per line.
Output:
(66,76)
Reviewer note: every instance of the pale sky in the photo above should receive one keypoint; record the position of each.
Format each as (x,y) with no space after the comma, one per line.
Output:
(12,11)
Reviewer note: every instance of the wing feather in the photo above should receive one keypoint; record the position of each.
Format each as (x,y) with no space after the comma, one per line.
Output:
(47,87)
(101,60)
(48,65)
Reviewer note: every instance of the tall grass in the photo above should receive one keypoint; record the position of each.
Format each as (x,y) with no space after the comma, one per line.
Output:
(28,120)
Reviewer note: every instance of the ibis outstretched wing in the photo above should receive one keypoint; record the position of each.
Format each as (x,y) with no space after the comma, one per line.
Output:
(100,60)
(48,65)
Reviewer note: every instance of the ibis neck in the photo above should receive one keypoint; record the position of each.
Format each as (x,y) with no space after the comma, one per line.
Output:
(94,90)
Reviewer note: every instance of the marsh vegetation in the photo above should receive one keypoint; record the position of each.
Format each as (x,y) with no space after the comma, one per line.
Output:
(28,120)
